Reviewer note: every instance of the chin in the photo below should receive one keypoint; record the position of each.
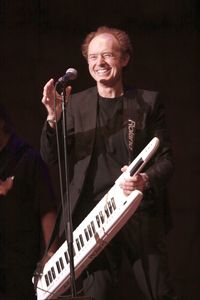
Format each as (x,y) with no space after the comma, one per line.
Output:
(104,80)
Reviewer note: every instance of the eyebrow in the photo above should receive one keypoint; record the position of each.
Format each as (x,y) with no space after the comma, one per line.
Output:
(102,53)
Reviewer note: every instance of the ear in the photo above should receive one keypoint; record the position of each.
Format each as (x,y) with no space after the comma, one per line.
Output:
(125,60)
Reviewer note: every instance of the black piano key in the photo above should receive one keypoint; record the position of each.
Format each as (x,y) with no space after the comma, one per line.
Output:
(89,230)
(93,227)
(53,272)
(101,216)
(113,203)
(58,266)
(110,207)
(81,239)
(46,280)
(66,257)
(86,234)
(61,263)
(50,276)
(106,211)
(98,221)
(78,244)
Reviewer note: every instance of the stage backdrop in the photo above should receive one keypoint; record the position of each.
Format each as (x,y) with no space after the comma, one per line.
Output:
(41,39)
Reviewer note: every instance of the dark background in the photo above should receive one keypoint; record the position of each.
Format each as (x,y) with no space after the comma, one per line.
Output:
(41,39)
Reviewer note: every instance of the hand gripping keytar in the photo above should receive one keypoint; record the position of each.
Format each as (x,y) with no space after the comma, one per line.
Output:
(94,232)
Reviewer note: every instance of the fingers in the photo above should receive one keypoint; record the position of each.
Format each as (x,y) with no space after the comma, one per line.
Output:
(48,92)
(68,91)
(53,101)
(130,184)
(6,185)
(124,168)
(48,100)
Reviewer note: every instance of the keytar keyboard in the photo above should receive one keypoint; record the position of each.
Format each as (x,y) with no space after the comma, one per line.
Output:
(94,232)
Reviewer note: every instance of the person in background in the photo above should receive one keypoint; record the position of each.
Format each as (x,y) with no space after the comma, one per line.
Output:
(99,150)
(27,212)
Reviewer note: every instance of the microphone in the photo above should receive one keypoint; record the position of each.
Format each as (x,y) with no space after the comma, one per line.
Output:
(61,84)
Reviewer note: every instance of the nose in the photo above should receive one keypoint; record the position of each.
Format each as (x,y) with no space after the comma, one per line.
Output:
(100,59)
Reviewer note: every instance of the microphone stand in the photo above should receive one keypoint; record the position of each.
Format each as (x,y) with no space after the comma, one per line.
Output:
(68,223)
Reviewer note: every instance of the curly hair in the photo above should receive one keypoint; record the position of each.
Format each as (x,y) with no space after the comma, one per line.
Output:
(120,35)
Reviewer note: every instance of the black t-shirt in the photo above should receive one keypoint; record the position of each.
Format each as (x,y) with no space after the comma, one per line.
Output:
(109,155)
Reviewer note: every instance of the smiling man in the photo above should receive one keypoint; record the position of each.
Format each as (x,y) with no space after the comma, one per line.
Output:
(98,125)
(106,63)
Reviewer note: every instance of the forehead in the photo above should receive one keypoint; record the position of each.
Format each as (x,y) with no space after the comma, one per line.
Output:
(103,42)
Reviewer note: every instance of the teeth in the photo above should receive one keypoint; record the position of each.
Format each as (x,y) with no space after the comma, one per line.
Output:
(102,71)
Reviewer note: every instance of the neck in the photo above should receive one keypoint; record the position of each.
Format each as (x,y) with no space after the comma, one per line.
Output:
(110,92)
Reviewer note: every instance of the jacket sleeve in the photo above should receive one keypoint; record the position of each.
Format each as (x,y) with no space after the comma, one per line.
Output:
(161,167)
(48,144)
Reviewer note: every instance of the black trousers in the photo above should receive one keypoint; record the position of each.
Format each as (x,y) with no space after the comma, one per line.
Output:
(141,246)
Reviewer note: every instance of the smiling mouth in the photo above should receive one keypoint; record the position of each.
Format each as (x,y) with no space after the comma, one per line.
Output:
(102,71)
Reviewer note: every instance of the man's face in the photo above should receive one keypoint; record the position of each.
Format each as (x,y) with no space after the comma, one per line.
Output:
(105,60)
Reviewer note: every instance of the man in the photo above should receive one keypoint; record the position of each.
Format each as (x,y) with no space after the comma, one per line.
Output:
(27,212)
(98,149)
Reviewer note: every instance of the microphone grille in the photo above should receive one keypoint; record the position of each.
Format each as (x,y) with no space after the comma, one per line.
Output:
(72,73)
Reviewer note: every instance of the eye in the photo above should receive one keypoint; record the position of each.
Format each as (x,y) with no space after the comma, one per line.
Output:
(107,55)
(92,57)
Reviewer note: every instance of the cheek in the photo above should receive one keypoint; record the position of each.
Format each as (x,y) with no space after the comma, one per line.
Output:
(90,67)
(91,71)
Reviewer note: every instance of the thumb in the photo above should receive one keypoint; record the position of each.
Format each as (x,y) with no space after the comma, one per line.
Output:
(124,168)
(68,91)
